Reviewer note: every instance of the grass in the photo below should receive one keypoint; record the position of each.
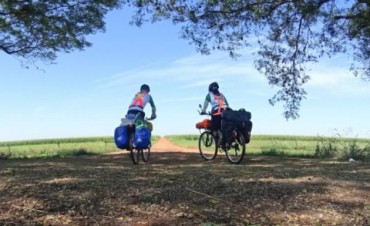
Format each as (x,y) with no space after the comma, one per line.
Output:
(295,146)
(58,147)
(271,145)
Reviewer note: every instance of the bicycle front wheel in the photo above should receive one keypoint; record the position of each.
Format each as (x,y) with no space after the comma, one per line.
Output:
(207,145)
(235,152)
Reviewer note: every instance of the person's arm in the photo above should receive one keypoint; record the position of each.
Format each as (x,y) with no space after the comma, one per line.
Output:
(154,109)
(206,101)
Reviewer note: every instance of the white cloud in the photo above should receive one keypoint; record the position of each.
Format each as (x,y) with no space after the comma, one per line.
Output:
(194,70)
(338,80)
(328,77)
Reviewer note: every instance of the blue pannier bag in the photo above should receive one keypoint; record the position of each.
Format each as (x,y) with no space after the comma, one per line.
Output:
(142,137)
(121,137)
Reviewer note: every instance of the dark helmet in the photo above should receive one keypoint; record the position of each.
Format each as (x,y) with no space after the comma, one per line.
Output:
(144,87)
(213,87)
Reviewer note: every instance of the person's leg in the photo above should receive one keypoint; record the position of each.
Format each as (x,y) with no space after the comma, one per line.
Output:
(216,127)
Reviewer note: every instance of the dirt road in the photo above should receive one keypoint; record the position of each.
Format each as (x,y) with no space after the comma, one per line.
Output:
(164,145)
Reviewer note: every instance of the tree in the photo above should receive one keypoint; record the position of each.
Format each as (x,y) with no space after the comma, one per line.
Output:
(290,34)
(38,29)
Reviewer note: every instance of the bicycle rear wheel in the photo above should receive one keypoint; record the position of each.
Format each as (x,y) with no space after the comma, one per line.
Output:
(134,153)
(207,145)
(235,152)
(145,154)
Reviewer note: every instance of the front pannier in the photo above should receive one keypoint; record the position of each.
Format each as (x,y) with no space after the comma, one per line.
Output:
(205,124)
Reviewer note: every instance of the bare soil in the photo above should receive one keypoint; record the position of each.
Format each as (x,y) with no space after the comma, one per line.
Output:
(177,187)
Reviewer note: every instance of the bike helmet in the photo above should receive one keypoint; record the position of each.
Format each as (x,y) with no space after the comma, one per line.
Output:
(213,87)
(144,87)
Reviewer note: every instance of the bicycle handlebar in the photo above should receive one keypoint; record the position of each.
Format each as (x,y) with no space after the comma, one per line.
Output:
(205,113)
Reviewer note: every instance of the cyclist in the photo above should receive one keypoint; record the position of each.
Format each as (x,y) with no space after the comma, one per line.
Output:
(139,102)
(218,103)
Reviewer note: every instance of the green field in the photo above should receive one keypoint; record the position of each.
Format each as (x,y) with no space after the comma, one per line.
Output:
(58,147)
(274,145)
(297,146)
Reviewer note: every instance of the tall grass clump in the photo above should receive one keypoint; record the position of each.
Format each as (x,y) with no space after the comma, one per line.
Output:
(343,148)
(354,151)
(326,147)
(4,155)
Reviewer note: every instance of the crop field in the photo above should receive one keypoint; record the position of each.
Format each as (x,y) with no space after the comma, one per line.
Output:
(295,146)
(274,145)
(58,147)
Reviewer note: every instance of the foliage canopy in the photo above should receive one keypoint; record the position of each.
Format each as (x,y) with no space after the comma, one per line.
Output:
(39,29)
(290,33)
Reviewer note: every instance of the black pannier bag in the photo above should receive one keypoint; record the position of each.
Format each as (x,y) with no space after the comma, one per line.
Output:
(227,128)
(246,128)
(240,119)
(236,116)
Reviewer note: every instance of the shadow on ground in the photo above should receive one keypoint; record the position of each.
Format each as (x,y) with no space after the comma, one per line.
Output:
(182,189)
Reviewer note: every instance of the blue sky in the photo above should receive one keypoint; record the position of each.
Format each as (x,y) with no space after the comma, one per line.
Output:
(87,93)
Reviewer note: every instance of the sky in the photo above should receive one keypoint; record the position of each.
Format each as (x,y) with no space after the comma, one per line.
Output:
(86,93)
